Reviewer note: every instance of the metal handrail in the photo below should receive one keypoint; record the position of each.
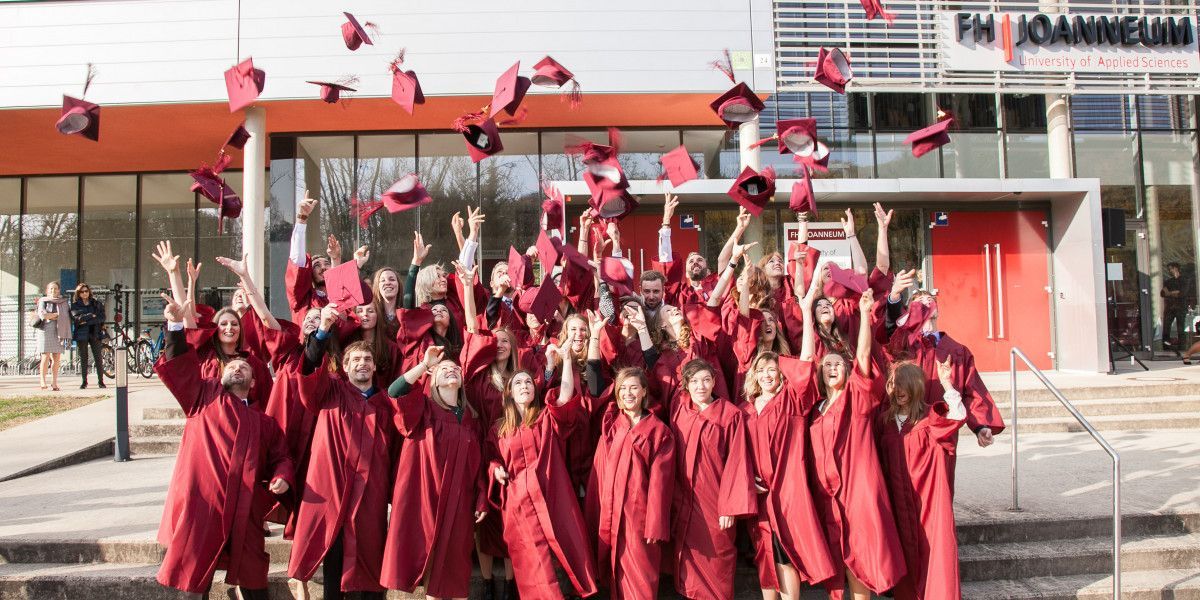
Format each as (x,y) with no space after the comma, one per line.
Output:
(1016,353)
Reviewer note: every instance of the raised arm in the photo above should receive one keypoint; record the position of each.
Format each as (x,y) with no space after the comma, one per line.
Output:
(883,219)
(808,344)
(169,261)
(858,260)
(467,276)
(862,354)
(242,270)
(298,253)
(727,274)
(743,221)
(404,383)
(466,253)
(665,250)
(456,225)
(566,386)
(585,231)
(420,251)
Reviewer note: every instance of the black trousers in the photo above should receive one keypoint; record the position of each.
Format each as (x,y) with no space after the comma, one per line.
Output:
(94,345)
(332,568)
(1174,315)
(247,594)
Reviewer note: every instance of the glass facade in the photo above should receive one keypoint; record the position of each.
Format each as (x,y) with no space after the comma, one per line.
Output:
(102,228)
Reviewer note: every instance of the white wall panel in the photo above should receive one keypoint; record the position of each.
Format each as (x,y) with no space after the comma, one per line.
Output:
(154,51)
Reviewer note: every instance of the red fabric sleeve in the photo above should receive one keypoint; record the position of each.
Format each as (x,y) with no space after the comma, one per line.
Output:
(866,393)
(409,411)
(299,285)
(181,376)
(314,388)
(800,382)
(981,408)
(279,461)
(942,430)
(704,320)
(737,496)
(281,343)
(661,487)
(745,337)
(478,353)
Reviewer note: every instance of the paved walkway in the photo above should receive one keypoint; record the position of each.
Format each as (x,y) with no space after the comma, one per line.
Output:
(1160,372)
(38,443)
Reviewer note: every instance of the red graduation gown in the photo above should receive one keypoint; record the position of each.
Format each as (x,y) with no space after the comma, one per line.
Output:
(713,478)
(981,408)
(778,440)
(210,519)
(301,295)
(542,520)
(286,355)
(629,501)
(849,489)
(346,488)
(666,378)
(438,488)
(918,478)
(679,290)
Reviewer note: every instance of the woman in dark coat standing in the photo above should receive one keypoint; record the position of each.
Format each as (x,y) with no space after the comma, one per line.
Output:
(87,316)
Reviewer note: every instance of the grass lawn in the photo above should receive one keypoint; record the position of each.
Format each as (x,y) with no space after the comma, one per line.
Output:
(15,410)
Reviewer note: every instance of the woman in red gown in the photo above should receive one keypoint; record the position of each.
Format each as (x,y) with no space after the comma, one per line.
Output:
(847,481)
(629,495)
(531,485)
(915,440)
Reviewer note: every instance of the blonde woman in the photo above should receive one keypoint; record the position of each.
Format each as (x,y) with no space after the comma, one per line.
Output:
(54,313)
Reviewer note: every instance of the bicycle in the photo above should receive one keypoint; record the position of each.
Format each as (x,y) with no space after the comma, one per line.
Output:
(147,351)
(108,353)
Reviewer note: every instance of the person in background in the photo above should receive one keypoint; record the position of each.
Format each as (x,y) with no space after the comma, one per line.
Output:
(87,314)
(54,331)
(1174,308)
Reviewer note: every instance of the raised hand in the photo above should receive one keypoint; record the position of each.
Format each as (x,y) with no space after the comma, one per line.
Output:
(743,222)
(305,207)
(739,250)
(903,281)
(585,219)
(433,355)
(329,315)
(945,370)
(596,323)
(883,218)
(865,302)
(475,218)
(173,311)
(361,256)
(334,249)
(636,317)
(848,224)
(670,203)
(193,272)
(465,275)
(237,267)
(168,261)
(420,249)
(456,223)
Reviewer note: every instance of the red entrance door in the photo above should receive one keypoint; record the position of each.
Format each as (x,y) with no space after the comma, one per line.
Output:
(991,273)
(639,237)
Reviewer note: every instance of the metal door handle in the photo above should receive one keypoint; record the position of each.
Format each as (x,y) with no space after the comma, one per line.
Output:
(987,277)
(999,292)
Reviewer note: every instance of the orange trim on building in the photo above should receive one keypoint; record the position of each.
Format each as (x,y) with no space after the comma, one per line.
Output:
(175,137)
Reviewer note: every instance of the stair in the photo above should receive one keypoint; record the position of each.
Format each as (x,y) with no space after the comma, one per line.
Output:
(1011,558)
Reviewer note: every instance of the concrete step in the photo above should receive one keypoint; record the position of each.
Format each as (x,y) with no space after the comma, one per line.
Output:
(154,446)
(1091,407)
(1169,584)
(1132,388)
(157,428)
(1140,422)
(155,413)
(1019,560)
(1018,529)
(125,581)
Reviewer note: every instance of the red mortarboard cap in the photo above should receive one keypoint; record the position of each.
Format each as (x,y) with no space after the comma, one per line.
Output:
(541,301)
(918,313)
(244,83)
(239,137)
(611,203)
(343,286)
(833,70)
(753,189)
(483,139)
(405,194)
(844,283)
(802,199)
(510,90)
(209,183)
(549,250)
(616,273)
(520,271)
(354,33)
(797,136)
(679,167)
(575,257)
(553,208)
(549,73)
(332,92)
(930,138)
(81,117)
(874,8)
(738,105)
(406,90)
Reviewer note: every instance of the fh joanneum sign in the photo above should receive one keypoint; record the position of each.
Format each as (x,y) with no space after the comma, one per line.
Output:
(1064,42)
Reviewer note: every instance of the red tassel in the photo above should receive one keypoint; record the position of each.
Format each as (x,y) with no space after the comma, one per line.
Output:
(91,74)
(363,209)
(764,141)
(398,61)
(725,65)
(768,174)
(460,124)
(575,95)
(552,192)
(515,119)
(372,26)
(223,161)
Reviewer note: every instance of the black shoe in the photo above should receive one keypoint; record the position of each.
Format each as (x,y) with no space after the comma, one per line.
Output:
(102,385)
(83,386)
(510,590)
(489,590)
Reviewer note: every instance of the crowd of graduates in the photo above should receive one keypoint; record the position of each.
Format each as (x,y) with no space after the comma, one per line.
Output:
(616,429)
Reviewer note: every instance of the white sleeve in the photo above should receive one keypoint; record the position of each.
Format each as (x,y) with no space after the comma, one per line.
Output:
(664,245)
(466,256)
(953,399)
(298,251)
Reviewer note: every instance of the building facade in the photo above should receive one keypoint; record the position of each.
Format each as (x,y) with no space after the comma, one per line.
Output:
(1004,221)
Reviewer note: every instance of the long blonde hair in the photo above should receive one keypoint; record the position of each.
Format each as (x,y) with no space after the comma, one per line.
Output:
(909,378)
(436,396)
(780,344)
(758,286)
(423,288)
(500,373)
(510,417)
(750,387)
(581,358)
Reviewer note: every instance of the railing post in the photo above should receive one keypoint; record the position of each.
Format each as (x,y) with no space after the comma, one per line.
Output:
(1116,527)
(121,441)
(1012,390)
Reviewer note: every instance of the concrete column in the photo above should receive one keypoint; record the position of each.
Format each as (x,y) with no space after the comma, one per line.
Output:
(254,193)
(1058,136)
(750,157)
